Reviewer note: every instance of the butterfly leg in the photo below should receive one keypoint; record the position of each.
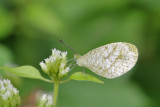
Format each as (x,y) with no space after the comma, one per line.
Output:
(84,72)
(70,60)
(72,67)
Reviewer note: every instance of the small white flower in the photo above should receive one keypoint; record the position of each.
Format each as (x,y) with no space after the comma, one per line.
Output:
(50,100)
(44,97)
(63,72)
(8,93)
(6,82)
(67,69)
(15,91)
(10,86)
(47,60)
(43,66)
(62,65)
(64,54)
(56,53)
(52,59)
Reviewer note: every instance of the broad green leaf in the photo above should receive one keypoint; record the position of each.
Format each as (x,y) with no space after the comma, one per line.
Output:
(80,76)
(25,71)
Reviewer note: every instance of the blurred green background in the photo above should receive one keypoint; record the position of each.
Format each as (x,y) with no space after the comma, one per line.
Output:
(29,29)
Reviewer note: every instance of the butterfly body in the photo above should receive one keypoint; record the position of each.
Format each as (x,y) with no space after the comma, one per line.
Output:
(111,60)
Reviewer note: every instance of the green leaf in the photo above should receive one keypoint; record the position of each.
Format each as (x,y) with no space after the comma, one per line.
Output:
(25,71)
(80,76)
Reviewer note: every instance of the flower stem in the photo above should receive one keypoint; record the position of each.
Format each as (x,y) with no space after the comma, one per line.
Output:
(55,95)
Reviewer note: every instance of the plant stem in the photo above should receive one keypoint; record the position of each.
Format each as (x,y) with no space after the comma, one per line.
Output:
(55,94)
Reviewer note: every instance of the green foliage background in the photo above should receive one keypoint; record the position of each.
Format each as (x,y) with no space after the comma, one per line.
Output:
(29,29)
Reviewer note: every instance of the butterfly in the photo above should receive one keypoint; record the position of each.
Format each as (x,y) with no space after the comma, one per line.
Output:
(111,60)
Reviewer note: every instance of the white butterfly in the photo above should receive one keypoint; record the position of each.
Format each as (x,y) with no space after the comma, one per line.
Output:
(111,60)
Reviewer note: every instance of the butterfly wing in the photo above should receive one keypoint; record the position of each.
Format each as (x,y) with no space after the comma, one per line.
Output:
(111,60)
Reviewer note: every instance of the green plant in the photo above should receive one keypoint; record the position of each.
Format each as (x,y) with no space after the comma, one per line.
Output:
(57,68)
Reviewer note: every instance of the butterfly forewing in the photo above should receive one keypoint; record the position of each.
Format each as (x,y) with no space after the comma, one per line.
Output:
(111,60)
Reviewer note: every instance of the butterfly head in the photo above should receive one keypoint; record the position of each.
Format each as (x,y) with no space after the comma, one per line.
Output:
(78,59)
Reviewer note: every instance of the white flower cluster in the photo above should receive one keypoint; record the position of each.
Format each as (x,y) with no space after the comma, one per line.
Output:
(46,101)
(56,65)
(9,96)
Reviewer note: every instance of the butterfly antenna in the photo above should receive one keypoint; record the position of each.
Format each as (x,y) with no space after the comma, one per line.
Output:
(67,46)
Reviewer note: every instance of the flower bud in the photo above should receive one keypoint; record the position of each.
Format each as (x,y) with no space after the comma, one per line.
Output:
(56,65)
